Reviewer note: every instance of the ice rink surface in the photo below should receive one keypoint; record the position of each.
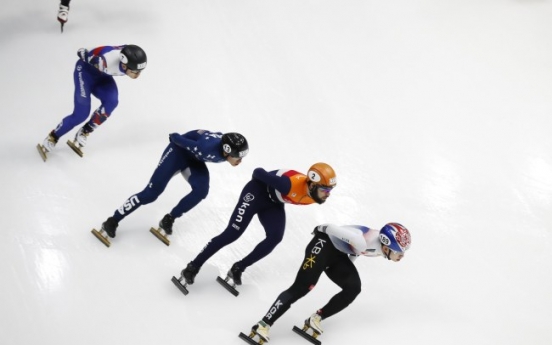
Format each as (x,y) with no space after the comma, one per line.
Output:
(434,114)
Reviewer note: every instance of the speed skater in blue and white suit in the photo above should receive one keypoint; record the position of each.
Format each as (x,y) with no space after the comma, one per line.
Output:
(186,154)
(93,75)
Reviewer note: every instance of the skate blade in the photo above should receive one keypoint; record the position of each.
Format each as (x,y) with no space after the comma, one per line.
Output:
(75,148)
(62,22)
(160,236)
(42,152)
(179,285)
(249,339)
(100,237)
(230,288)
(304,334)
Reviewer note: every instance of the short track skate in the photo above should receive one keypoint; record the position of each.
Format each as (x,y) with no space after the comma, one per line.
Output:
(309,335)
(102,236)
(62,16)
(251,338)
(178,283)
(42,152)
(75,147)
(231,287)
(161,235)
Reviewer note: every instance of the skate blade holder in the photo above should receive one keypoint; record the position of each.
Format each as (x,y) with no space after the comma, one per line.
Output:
(250,339)
(178,284)
(75,147)
(161,235)
(62,22)
(102,236)
(231,288)
(304,334)
(41,152)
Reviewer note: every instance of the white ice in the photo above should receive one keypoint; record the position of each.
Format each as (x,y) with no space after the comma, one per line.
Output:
(435,114)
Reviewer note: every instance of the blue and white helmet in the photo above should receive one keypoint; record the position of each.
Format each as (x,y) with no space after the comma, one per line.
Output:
(395,236)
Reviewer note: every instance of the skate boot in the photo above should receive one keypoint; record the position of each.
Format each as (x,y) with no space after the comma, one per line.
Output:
(80,141)
(167,223)
(63,15)
(261,330)
(188,275)
(312,324)
(81,137)
(50,142)
(235,274)
(48,145)
(165,229)
(109,227)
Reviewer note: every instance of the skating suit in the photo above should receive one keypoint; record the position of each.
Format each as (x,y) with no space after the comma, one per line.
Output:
(186,154)
(264,196)
(332,251)
(93,75)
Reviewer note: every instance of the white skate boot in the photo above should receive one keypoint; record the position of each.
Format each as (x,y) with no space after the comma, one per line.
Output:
(49,142)
(47,146)
(262,329)
(314,323)
(81,137)
(63,15)
(311,329)
(79,142)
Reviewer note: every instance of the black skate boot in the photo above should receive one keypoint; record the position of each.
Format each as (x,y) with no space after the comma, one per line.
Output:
(235,274)
(167,223)
(108,230)
(110,226)
(189,273)
(164,230)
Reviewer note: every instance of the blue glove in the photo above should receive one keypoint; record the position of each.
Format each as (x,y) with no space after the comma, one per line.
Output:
(171,137)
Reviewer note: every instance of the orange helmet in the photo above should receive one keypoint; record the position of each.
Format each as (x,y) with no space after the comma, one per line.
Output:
(322,174)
